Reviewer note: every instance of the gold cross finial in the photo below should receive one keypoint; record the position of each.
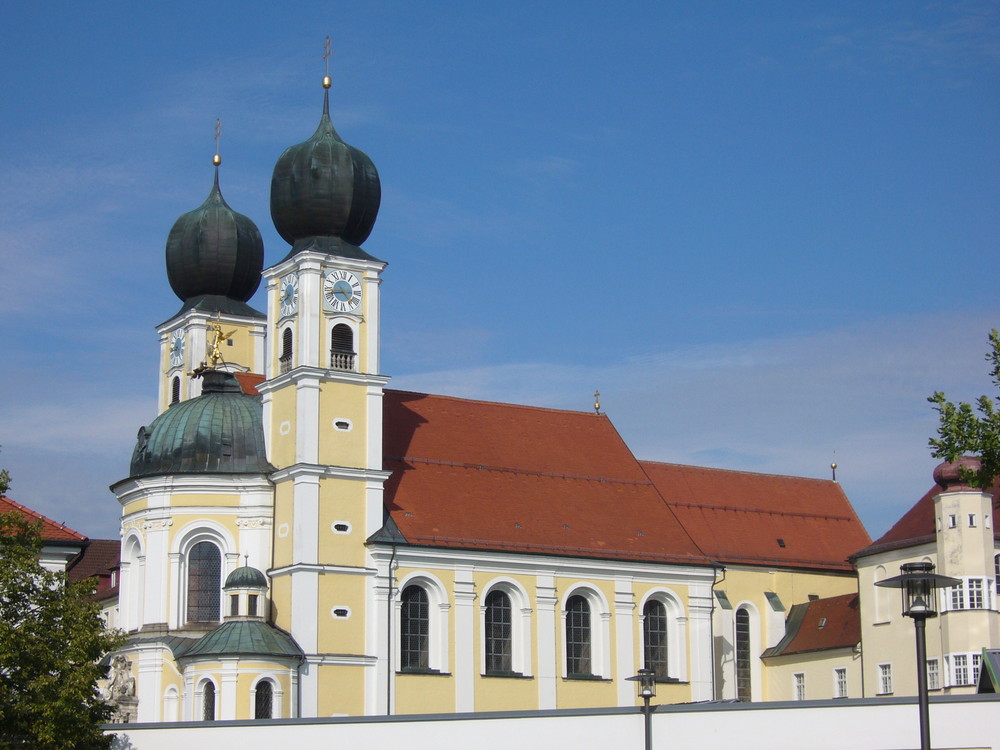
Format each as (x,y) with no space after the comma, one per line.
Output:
(327,47)
(217,160)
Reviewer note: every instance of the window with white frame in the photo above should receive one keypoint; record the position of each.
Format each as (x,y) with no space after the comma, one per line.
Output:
(933,675)
(884,679)
(654,638)
(578,637)
(840,682)
(743,666)
(498,633)
(960,669)
(799,679)
(969,593)
(996,573)
(957,600)
(414,634)
(263,700)
(204,583)
(976,663)
(208,701)
(975,591)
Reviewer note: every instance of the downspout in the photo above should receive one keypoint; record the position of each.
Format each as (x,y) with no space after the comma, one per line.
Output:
(388,637)
(711,624)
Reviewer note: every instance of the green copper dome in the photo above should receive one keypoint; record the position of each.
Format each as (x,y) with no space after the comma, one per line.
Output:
(219,432)
(245,577)
(214,251)
(325,194)
(245,638)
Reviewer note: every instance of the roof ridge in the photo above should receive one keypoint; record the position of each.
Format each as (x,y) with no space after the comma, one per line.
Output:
(737,471)
(512,470)
(792,513)
(36,514)
(505,404)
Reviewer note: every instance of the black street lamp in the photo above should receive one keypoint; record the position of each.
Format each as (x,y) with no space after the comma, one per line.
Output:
(917,582)
(646,683)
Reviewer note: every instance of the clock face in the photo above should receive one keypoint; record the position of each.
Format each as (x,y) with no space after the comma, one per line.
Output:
(341,291)
(289,299)
(177,348)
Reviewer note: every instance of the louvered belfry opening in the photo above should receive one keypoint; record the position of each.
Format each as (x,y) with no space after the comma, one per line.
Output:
(342,352)
(285,360)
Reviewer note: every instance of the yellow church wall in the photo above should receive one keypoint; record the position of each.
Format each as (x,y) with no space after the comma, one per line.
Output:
(240,351)
(342,402)
(281,441)
(342,690)
(250,672)
(135,506)
(281,602)
(585,693)
(341,501)
(342,592)
(193,501)
(425,693)
(506,693)
(283,524)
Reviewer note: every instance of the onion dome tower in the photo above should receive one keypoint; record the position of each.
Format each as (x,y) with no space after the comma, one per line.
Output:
(325,194)
(215,256)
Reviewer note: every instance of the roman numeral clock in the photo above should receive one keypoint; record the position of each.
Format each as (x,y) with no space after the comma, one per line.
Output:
(341,291)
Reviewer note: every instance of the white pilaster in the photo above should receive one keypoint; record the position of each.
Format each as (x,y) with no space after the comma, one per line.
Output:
(624,611)
(465,624)
(548,662)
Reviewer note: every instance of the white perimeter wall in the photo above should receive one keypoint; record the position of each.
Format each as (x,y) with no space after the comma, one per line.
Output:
(957,723)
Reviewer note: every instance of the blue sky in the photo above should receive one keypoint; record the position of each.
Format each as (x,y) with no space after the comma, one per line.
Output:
(765,231)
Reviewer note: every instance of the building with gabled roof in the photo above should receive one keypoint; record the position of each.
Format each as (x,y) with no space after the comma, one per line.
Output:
(952,527)
(399,552)
(60,544)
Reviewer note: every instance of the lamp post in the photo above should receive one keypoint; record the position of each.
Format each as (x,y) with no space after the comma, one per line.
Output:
(646,683)
(917,581)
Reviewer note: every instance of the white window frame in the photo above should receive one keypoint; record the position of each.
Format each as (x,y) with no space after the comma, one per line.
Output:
(438,610)
(676,632)
(600,629)
(520,625)
(799,686)
(970,590)
(885,679)
(933,674)
(276,696)
(840,687)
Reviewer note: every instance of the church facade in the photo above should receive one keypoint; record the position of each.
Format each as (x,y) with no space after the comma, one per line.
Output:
(300,540)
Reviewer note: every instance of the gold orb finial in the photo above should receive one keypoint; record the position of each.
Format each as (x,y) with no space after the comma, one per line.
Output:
(597,402)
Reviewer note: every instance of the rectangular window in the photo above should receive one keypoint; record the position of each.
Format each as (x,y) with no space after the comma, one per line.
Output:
(933,675)
(976,661)
(960,666)
(952,521)
(234,604)
(972,520)
(252,605)
(840,682)
(958,596)
(975,593)
(884,679)
(800,686)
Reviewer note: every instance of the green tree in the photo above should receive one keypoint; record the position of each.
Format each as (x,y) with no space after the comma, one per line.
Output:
(965,429)
(51,641)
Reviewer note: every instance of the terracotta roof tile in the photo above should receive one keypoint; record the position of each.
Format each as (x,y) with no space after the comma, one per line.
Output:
(744,517)
(249,381)
(480,475)
(917,525)
(834,622)
(51,530)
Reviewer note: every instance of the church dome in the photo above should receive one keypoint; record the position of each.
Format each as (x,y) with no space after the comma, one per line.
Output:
(325,194)
(214,251)
(219,432)
(245,577)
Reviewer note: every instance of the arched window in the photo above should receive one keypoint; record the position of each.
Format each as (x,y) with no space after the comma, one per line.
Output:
(208,701)
(263,700)
(204,583)
(743,669)
(578,637)
(414,629)
(175,390)
(285,360)
(654,637)
(499,639)
(342,347)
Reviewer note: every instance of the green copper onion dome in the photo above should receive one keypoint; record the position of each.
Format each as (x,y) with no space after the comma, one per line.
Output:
(325,194)
(214,252)
(245,577)
(219,432)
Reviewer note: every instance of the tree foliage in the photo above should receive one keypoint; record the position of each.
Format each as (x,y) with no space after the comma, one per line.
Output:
(965,429)
(51,641)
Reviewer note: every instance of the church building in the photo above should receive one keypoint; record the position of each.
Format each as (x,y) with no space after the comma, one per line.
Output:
(300,540)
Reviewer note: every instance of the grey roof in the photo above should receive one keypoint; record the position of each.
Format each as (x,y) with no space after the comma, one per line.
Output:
(245,577)
(989,675)
(214,250)
(219,432)
(245,638)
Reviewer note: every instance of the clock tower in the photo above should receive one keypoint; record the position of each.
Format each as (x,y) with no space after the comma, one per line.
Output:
(214,260)
(323,413)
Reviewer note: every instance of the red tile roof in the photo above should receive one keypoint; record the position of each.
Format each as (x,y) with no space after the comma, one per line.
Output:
(51,530)
(740,517)
(98,559)
(917,525)
(834,622)
(478,475)
(249,381)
